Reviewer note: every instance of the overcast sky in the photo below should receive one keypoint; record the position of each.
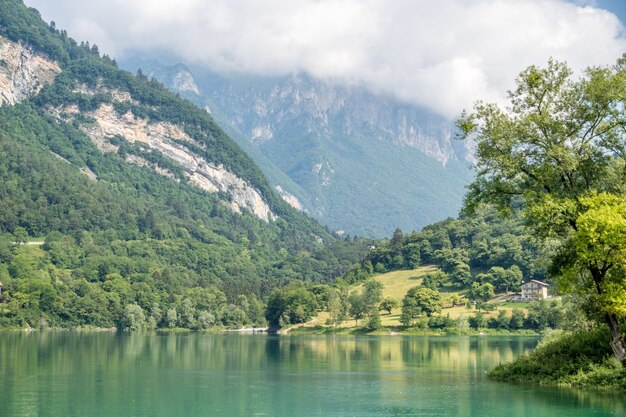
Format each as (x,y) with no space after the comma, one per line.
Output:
(441,54)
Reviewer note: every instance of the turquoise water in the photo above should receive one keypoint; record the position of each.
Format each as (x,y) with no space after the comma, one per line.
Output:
(90,374)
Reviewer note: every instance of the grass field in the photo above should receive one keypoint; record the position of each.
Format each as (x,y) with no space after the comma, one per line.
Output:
(397,283)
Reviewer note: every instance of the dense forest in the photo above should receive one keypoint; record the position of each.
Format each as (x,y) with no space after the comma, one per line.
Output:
(134,248)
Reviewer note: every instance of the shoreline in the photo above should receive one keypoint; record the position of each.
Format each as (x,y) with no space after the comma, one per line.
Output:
(395,331)
(300,331)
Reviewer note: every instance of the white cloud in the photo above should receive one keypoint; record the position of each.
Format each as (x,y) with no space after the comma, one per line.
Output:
(442,55)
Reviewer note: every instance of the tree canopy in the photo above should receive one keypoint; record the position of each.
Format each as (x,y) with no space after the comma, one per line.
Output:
(560,149)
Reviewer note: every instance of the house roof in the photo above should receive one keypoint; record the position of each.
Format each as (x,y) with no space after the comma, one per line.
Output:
(543,284)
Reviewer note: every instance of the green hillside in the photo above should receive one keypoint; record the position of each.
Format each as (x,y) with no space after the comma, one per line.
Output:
(125,245)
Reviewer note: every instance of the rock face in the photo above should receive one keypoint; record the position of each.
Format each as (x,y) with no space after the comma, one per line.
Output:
(289,198)
(170,140)
(23,73)
(183,81)
(317,107)
(361,162)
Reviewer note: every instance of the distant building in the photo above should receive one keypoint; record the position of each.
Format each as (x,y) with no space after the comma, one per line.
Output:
(534,290)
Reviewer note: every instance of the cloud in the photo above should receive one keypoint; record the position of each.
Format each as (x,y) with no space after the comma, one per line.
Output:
(442,55)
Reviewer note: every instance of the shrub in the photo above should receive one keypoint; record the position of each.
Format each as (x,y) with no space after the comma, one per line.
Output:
(581,359)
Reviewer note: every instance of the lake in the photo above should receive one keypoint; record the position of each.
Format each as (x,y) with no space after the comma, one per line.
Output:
(105,374)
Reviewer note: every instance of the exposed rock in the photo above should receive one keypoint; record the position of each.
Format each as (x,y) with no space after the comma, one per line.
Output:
(89,173)
(169,140)
(23,73)
(117,95)
(183,81)
(83,170)
(347,149)
(319,107)
(261,133)
(59,157)
(325,173)
(289,198)
(137,160)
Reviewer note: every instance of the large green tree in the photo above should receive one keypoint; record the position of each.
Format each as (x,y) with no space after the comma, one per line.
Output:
(417,301)
(560,148)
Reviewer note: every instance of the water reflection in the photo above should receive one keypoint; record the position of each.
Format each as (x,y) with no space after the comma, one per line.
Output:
(78,374)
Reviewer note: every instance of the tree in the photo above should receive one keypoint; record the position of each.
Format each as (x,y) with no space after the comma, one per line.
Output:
(455,300)
(435,280)
(417,301)
(21,235)
(412,255)
(503,321)
(512,279)
(561,149)
(544,314)
(478,321)
(335,307)
(171,318)
(290,305)
(134,317)
(186,313)
(358,306)
(482,292)
(397,241)
(517,319)
(374,322)
(206,319)
(389,304)
(372,294)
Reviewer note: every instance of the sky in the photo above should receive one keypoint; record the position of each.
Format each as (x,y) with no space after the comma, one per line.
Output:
(442,55)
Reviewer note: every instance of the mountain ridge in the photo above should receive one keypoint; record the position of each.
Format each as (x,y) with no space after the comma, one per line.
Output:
(308,129)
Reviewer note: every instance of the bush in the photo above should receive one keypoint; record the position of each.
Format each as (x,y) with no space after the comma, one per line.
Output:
(582,359)
(374,322)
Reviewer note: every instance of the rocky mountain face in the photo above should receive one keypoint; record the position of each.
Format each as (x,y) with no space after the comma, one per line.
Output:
(344,147)
(317,107)
(23,72)
(107,127)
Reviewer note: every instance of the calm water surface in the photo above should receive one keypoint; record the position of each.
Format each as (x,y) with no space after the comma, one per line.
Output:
(78,374)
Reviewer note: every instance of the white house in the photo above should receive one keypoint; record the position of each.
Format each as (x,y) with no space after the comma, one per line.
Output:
(534,290)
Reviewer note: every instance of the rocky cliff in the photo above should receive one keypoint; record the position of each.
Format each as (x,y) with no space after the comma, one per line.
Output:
(345,147)
(107,126)
(324,108)
(23,72)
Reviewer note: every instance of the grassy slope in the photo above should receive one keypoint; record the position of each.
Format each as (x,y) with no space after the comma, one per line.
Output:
(397,283)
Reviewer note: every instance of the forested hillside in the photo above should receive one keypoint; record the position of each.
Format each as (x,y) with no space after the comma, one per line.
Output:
(151,215)
(471,259)
(467,249)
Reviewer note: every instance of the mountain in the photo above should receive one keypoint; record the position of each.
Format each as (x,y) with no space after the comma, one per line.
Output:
(358,162)
(146,207)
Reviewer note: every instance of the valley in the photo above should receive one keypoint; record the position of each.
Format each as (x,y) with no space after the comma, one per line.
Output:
(157,204)
(360,163)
